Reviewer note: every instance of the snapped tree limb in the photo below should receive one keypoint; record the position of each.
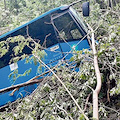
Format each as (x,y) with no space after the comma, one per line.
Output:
(21,85)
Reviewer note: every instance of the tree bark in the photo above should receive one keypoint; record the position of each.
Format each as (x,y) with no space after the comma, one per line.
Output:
(5,5)
(98,76)
(20,85)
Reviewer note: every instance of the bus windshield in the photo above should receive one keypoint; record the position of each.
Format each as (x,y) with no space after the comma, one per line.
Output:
(66,28)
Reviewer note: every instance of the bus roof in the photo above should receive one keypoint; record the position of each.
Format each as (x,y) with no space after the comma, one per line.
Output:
(35,19)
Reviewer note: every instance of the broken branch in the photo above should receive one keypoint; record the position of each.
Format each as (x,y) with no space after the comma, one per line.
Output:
(21,85)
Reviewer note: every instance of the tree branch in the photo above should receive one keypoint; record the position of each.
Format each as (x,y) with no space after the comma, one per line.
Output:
(21,85)
(63,86)
(98,75)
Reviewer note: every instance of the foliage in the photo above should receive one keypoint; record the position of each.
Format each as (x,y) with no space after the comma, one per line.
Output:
(107,26)
(50,101)
(18,53)
(17,12)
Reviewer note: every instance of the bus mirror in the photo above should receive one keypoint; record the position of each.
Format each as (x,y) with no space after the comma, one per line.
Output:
(85,9)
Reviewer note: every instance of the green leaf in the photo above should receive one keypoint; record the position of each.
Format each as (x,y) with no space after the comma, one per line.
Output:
(81,117)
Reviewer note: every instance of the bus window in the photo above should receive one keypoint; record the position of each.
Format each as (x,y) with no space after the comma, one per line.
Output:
(38,31)
(67,28)
(76,34)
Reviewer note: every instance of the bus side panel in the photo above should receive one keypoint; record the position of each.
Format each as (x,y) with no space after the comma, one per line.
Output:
(7,82)
(72,46)
(51,59)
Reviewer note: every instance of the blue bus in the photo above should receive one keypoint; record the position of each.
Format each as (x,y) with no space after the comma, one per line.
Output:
(63,21)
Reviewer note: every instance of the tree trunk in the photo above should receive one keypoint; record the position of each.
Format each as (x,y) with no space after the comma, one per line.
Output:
(98,76)
(5,5)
